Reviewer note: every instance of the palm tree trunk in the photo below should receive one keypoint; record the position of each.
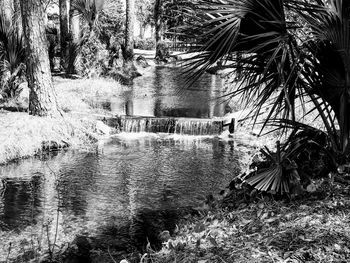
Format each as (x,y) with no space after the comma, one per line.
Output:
(64,28)
(129,31)
(42,99)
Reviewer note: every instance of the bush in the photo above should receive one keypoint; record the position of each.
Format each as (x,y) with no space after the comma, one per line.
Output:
(162,52)
(93,58)
(145,44)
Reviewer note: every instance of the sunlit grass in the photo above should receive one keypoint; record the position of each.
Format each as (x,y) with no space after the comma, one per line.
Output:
(80,95)
(24,135)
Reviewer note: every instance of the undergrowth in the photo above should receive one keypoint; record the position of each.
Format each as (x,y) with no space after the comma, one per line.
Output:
(313,229)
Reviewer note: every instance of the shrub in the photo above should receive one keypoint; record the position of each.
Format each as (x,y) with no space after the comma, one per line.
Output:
(12,58)
(162,52)
(93,58)
(145,44)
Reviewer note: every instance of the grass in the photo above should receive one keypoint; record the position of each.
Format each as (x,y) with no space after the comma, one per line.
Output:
(80,95)
(22,135)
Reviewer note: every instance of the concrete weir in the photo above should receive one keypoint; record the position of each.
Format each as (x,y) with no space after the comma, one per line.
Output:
(172,125)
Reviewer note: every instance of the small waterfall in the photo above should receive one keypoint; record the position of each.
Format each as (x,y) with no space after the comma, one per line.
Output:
(198,127)
(181,126)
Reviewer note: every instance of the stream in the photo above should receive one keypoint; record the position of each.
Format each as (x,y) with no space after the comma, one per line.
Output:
(130,188)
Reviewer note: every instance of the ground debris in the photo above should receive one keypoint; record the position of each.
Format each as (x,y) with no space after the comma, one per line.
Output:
(313,229)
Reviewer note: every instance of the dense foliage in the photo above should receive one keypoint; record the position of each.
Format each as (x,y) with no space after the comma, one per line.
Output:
(145,44)
(12,58)
(101,32)
(290,53)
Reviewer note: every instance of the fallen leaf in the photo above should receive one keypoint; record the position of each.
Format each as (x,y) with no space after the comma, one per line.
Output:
(259,213)
(311,188)
(264,216)
(337,247)
(212,241)
(199,228)
(270,220)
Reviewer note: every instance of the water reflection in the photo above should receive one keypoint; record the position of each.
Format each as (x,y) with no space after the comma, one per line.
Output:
(20,201)
(127,183)
(161,93)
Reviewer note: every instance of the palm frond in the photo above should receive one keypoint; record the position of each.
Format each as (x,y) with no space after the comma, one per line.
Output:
(12,59)
(88,11)
(274,179)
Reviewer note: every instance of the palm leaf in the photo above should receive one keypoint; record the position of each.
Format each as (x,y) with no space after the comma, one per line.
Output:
(88,11)
(12,59)
(290,50)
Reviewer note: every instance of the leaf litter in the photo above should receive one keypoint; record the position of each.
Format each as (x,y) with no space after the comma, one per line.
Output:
(314,228)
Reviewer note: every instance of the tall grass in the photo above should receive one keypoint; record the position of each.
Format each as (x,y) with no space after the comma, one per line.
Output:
(80,95)
(23,135)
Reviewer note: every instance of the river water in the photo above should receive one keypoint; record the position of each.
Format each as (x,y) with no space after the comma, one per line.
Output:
(129,189)
(163,92)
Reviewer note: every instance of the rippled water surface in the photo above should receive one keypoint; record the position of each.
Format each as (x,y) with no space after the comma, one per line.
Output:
(126,176)
(131,187)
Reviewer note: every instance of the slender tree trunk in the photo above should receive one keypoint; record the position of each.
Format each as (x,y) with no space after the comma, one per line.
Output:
(42,99)
(18,17)
(98,4)
(6,10)
(74,30)
(64,28)
(129,31)
(142,30)
(158,10)
(74,24)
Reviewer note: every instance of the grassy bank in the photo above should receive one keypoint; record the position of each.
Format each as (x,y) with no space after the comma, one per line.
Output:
(82,95)
(22,135)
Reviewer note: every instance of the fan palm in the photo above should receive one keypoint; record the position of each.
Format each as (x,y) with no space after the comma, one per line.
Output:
(288,52)
(12,58)
(291,50)
(88,10)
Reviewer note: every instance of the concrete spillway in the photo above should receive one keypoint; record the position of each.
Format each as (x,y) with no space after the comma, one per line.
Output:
(181,126)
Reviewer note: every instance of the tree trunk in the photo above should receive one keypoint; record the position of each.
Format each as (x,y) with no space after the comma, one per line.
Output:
(142,30)
(129,31)
(6,10)
(42,99)
(18,17)
(64,28)
(74,24)
(158,10)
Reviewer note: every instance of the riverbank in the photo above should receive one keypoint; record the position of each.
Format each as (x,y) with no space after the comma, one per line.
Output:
(80,101)
(22,135)
(264,230)
(314,228)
